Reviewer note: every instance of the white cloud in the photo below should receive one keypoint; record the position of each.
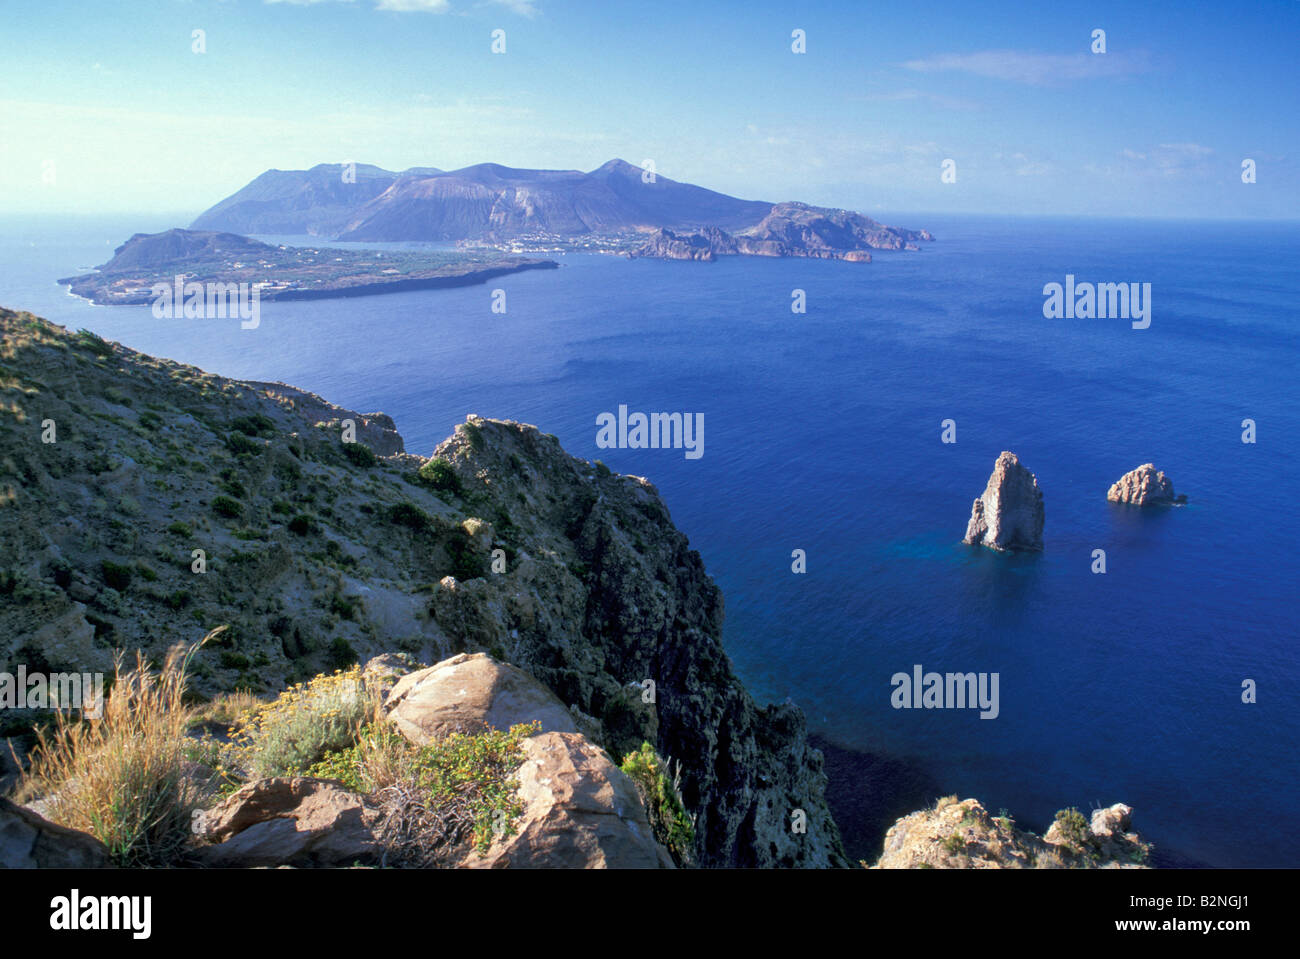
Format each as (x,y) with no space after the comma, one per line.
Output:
(1037,69)
(525,8)
(417,6)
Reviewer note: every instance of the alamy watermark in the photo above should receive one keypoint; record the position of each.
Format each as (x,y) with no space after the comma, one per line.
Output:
(921,690)
(208,301)
(654,431)
(1103,301)
(39,690)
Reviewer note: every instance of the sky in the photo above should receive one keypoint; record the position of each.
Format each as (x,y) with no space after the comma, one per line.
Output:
(113,108)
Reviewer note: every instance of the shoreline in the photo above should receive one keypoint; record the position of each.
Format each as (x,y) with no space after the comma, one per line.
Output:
(471,278)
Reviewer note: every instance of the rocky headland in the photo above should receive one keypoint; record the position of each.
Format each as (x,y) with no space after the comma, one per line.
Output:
(317,553)
(789,229)
(1009,514)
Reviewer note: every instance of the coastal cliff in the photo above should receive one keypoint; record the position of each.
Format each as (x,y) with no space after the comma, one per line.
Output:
(146,502)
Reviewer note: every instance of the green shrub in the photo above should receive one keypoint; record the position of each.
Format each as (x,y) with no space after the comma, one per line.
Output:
(602,470)
(410,516)
(1073,827)
(256,424)
(227,507)
(466,561)
(95,343)
(302,524)
(472,432)
(359,455)
(180,529)
(286,736)
(344,608)
(241,444)
(455,789)
(233,660)
(673,827)
(115,575)
(341,653)
(438,474)
(955,844)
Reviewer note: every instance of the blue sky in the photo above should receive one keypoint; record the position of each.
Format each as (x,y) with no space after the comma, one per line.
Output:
(106,108)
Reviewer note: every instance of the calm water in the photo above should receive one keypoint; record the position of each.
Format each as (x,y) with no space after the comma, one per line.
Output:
(823,433)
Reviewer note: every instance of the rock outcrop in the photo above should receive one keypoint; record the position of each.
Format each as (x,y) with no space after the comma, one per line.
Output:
(1144,486)
(1009,516)
(29,841)
(580,812)
(470,694)
(962,835)
(291,821)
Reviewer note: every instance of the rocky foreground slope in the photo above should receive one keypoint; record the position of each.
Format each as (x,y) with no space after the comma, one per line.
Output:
(144,502)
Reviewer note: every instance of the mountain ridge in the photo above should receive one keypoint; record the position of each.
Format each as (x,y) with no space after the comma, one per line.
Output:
(494,203)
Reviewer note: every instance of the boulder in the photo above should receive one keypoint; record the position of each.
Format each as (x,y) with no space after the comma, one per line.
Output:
(1111,821)
(580,812)
(472,693)
(1009,516)
(291,821)
(1144,486)
(381,673)
(29,841)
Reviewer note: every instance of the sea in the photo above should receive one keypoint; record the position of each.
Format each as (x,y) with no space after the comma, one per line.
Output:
(1170,681)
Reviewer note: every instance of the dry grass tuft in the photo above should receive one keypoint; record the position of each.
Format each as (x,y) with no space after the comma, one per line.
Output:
(122,777)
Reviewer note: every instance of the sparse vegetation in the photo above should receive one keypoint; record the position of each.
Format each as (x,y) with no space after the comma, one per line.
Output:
(94,342)
(410,516)
(304,723)
(360,455)
(227,506)
(673,827)
(122,778)
(438,796)
(1073,827)
(115,575)
(438,474)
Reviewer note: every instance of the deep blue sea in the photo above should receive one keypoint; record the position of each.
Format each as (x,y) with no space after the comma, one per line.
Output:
(823,434)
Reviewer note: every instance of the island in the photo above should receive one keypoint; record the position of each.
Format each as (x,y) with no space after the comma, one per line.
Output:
(617,208)
(149,260)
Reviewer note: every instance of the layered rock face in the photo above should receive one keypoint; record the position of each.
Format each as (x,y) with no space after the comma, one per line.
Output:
(1009,516)
(1144,486)
(962,835)
(626,629)
(317,556)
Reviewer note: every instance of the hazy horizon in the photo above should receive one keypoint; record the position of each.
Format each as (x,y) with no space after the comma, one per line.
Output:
(131,111)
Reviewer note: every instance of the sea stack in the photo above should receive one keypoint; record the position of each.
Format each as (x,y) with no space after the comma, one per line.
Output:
(1009,516)
(1144,486)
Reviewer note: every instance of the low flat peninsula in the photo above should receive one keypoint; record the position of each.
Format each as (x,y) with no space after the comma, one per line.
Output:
(147,260)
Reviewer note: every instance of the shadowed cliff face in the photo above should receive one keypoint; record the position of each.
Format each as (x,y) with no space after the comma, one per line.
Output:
(632,602)
(318,552)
